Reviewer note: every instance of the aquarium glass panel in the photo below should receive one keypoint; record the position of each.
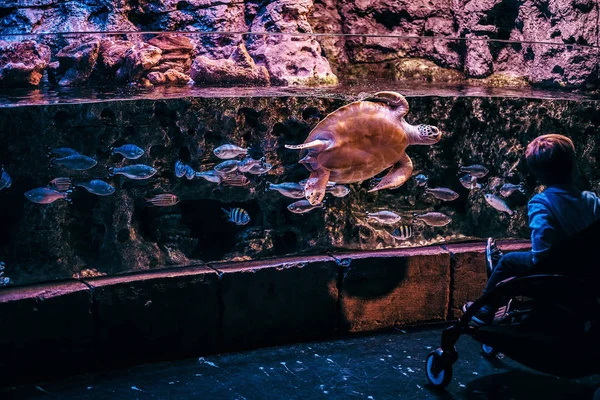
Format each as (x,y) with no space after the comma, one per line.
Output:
(125,152)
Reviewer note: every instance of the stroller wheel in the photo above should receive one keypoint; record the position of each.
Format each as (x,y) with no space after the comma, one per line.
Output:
(488,351)
(438,369)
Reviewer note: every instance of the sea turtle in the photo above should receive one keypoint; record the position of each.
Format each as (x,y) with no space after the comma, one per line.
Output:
(360,140)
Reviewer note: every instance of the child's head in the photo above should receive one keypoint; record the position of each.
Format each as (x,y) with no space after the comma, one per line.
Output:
(551,158)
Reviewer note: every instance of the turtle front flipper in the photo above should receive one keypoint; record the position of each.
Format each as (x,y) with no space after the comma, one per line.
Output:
(315,187)
(393,99)
(399,174)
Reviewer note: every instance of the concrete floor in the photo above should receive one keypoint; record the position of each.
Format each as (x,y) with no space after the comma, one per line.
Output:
(384,366)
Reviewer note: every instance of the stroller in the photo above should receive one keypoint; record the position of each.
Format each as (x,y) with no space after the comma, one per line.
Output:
(551,322)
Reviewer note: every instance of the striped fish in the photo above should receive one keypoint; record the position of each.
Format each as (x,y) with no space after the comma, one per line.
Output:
(235,180)
(61,184)
(403,232)
(163,200)
(237,215)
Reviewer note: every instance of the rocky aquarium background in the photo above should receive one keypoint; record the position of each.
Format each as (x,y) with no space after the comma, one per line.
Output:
(121,233)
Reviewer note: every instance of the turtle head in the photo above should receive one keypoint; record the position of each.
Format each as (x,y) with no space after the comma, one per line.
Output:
(427,134)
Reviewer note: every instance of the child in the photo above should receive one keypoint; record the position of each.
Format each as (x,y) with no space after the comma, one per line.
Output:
(556,214)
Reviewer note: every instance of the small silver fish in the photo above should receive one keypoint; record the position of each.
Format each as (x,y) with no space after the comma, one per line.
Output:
(129,151)
(476,170)
(46,195)
(211,176)
(247,163)
(338,191)
(303,206)
(235,180)
(260,169)
(97,187)
(238,216)
(4,281)
(77,162)
(303,183)
(384,217)
(421,179)
(508,188)
(163,200)
(63,151)
(498,203)
(179,169)
(227,167)
(61,184)
(189,173)
(403,232)
(442,193)
(288,189)
(433,218)
(135,171)
(2,266)
(469,182)
(228,151)
(5,181)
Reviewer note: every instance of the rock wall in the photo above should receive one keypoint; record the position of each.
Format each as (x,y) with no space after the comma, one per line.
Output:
(524,29)
(122,233)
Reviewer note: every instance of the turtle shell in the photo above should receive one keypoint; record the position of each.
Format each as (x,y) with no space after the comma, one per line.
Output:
(367,139)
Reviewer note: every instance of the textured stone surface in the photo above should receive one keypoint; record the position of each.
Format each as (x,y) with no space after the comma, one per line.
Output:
(120,233)
(469,271)
(543,42)
(42,324)
(138,59)
(394,288)
(239,68)
(23,64)
(76,63)
(281,301)
(169,77)
(158,315)
(289,60)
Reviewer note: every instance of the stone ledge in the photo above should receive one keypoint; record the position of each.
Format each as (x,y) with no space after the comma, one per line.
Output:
(470,276)
(155,315)
(43,326)
(278,301)
(105,322)
(383,289)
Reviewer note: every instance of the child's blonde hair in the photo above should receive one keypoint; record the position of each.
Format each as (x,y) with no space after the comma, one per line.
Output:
(551,158)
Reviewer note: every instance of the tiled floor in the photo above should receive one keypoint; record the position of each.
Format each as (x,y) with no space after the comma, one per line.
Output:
(385,366)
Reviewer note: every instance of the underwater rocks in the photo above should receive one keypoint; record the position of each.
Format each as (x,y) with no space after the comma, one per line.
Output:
(75,63)
(122,232)
(237,69)
(22,63)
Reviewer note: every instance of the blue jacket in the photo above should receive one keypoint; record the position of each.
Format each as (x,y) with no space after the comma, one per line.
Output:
(557,213)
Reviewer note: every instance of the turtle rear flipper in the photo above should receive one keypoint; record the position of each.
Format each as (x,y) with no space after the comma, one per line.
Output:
(316,186)
(392,99)
(398,175)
